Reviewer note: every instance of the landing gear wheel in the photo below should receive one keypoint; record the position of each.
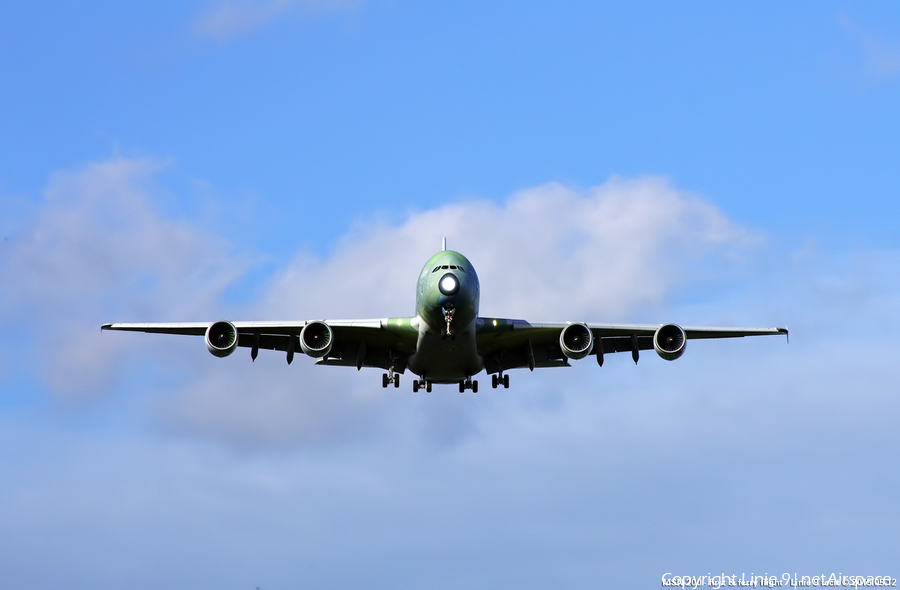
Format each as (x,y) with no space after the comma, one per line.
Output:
(462,387)
(428,386)
(494,381)
(384,380)
(415,386)
(506,382)
(396,381)
(474,386)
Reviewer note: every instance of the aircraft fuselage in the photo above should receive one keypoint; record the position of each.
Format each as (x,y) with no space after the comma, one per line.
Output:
(447,296)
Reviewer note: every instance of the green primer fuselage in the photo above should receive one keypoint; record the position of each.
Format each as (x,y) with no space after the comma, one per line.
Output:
(440,357)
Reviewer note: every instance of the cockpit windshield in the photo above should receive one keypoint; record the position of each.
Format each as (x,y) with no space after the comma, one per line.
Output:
(448,267)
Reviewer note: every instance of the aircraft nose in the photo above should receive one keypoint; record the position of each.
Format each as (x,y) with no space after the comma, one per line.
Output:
(448,285)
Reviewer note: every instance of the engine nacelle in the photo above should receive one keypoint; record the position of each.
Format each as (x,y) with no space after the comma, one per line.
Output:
(669,341)
(316,339)
(576,341)
(221,338)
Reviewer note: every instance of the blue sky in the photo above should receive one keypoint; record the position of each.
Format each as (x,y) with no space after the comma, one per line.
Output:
(702,163)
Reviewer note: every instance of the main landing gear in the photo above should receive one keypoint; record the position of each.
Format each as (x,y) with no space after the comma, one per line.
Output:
(390,377)
(498,379)
(421,384)
(468,384)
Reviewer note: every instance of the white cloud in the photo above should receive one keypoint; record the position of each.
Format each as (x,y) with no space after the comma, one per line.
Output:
(95,247)
(234,18)
(547,253)
(98,249)
(881,58)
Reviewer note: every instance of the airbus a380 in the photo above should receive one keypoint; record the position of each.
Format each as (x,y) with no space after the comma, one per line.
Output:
(446,341)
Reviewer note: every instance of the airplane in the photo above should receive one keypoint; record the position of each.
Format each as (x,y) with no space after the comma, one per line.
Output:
(446,341)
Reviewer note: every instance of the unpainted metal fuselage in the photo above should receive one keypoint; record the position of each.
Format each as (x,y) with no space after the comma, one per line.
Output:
(447,285)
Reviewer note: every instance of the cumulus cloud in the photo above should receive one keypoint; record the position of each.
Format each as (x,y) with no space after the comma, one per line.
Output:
(235,18)
(546,253)
(881,58)
(99,249)
(95,246)
(609,249)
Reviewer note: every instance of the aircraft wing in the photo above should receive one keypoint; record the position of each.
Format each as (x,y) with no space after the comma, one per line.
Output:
(360,343)
(508,344)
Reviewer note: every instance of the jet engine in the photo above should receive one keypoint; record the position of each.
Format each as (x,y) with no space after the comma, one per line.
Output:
(221,338)
(316,339)
(669,341)
(576,341)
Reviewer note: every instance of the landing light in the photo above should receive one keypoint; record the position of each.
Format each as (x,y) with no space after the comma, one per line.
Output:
(448,285)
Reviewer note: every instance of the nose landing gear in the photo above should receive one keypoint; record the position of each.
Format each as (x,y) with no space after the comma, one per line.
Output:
(448,318)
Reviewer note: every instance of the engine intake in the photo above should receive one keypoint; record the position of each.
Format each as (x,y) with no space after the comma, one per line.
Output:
(316,339)
(221,338)
(669,341)
(576,341)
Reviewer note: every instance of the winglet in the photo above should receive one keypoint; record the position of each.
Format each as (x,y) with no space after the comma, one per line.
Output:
(787,334)
(445,244)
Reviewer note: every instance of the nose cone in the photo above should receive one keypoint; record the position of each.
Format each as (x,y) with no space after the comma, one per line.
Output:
(448,285)
(447,281)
